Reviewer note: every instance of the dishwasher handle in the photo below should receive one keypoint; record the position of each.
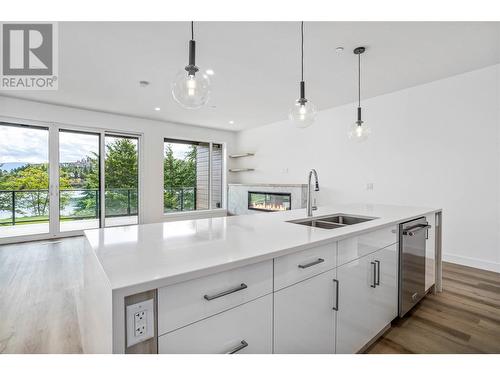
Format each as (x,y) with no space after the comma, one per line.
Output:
(415,229)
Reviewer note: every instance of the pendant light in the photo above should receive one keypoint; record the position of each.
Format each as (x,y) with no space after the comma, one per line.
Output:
(359,131)
(191,89)
(303,112)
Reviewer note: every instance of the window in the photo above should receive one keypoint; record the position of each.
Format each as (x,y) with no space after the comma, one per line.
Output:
(192,176)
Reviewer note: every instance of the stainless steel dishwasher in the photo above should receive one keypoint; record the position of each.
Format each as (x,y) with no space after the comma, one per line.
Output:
(412,236)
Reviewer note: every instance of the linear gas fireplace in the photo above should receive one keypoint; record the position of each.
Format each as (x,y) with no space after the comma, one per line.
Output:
(269,201)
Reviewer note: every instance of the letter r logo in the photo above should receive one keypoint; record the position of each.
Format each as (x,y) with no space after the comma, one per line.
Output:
(27,49)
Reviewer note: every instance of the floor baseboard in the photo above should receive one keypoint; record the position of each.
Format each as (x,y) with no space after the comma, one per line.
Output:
(472,262)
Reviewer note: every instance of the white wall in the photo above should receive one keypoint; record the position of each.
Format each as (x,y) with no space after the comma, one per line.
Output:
(432,145)
(153,134)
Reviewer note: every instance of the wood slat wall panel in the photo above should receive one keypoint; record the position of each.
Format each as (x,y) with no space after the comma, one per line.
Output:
(217,164)
(202,176)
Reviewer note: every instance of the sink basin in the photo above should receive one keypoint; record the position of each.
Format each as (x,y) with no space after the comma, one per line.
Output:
(346,219)
(319,224)
(332,221)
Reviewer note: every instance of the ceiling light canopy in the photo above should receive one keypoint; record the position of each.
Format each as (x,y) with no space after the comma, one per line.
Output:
(359,131)
(189,89)
(303,112)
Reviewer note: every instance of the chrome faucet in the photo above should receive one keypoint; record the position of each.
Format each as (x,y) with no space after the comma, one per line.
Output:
(310,207)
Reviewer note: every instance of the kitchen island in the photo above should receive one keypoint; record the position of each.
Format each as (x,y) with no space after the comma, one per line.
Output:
(248,284)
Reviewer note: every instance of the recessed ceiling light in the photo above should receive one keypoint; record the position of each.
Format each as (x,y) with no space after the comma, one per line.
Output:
(210,72)
(157,108)
(231,122)
(143,83)
(339,49)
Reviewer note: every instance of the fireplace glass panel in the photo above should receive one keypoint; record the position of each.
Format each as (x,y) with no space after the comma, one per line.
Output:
(267,201)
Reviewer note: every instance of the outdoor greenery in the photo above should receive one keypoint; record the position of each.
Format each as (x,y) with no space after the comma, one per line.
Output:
(31,181)
(179,179)
(121,177)
(79,184)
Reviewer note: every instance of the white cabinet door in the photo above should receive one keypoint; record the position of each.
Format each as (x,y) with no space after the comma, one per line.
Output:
(356,289)
(367,298)
(385,293)
(304,316)
(244,329)
(430,252)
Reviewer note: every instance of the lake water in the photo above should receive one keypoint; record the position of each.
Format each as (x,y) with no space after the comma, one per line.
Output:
(68,210)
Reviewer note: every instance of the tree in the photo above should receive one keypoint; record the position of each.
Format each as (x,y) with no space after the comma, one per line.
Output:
(121,171)
(121,164)
(121,177)
(32,182)
(179,178)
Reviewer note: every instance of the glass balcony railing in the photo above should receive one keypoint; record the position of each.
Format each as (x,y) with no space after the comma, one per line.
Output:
(19,207)
(179,198)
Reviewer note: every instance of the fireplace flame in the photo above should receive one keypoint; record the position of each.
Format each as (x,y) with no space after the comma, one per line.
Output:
(269,206)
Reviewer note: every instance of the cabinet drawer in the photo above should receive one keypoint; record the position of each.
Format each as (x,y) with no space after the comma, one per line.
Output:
(356,247)
(247,327)
(187,302)
(299,266)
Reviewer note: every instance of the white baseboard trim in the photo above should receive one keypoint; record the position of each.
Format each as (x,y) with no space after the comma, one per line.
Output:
(472,262)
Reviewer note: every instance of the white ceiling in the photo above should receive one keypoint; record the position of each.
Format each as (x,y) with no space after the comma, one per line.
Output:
(256,64)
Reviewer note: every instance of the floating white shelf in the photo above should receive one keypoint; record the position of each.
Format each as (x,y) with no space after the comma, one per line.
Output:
(234,156)
(241,169)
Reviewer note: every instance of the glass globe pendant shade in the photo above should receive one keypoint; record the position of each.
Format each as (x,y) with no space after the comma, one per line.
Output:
(191,90)
(303,113)
(359,132)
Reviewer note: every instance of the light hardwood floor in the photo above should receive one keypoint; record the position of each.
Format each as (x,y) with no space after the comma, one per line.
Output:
(39,286)
(40,282)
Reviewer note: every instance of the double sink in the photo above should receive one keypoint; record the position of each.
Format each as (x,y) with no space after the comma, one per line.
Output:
(332,221)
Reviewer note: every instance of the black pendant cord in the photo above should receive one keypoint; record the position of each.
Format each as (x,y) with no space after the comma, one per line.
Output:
(191,68)
(359,80)
(302,83)
(302,51)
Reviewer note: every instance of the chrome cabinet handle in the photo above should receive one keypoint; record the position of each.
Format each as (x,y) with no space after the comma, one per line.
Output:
(225,293)
(413,230)
(374,284)
(336,307)
(377,282)
(318,261)
(243,345)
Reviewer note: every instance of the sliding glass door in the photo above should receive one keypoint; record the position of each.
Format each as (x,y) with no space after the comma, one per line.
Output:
(57,180)
(79,180)
(24,180)
(121,176)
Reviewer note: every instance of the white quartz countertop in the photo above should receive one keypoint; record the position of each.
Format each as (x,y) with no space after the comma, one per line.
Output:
(142,257)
